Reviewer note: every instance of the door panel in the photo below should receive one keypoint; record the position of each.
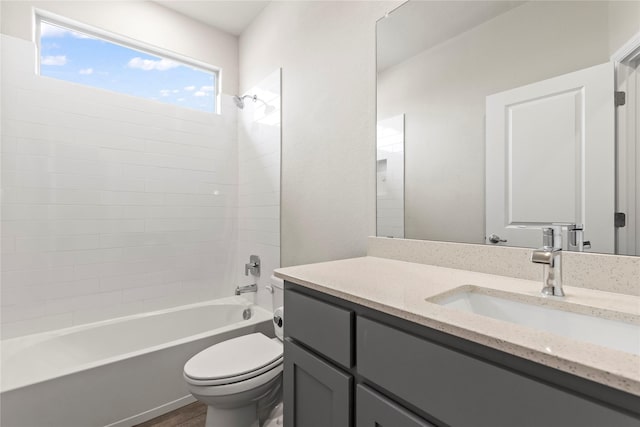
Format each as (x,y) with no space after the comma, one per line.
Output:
(551,158)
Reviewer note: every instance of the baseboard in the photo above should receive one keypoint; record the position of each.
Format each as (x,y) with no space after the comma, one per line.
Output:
(155,412)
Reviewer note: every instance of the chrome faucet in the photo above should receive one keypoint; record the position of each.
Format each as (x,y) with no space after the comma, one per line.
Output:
(247,288)
(550,256)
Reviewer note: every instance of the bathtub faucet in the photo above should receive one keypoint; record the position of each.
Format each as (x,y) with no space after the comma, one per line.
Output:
(247,288)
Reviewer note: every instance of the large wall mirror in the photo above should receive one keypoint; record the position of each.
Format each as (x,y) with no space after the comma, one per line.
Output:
(504,117)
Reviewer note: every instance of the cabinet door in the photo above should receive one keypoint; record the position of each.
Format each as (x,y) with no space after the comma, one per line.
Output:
(373,410)
(316,394)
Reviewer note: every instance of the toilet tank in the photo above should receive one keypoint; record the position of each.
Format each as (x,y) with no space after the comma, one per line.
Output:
(277,292)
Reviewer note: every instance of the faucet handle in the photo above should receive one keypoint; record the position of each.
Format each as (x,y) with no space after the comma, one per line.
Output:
(542,256)
(253,266)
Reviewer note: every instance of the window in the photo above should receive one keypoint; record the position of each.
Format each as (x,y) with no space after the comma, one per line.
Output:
(69,52)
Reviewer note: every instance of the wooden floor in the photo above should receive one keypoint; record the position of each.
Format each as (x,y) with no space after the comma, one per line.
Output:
(192,415)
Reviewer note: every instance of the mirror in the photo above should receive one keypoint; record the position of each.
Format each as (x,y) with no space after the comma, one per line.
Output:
(510,122)
(390,177)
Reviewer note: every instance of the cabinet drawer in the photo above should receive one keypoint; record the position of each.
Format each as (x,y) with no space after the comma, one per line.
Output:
(325,328)
(460,390)
(374,410)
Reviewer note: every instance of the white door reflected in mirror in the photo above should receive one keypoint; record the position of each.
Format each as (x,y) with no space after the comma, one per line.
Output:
(551,158)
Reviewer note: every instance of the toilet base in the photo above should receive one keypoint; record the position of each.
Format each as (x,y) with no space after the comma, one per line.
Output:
(244,416)
(275,417)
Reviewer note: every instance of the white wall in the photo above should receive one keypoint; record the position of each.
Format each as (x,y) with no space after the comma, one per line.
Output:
(624,23)
(327,54)
(442,91)
(142,21)
(111,204)
(259,185)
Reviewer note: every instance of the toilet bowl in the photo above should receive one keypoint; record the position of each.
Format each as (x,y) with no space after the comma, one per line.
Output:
(240,379)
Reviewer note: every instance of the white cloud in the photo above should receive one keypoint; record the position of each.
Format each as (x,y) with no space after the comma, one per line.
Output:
(175,91)
(165,92)
(207,88)
(150,64)
(54,60)
(190,88)
(86,71)
(200,93)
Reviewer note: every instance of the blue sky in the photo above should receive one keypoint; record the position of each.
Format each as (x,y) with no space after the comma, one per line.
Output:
(78,58)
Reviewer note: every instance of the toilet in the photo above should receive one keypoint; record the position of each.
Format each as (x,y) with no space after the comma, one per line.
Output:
(240,380)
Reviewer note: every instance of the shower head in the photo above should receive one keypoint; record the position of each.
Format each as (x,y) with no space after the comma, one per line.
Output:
(239,100)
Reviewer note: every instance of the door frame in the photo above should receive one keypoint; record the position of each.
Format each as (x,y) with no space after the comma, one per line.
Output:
(627,79)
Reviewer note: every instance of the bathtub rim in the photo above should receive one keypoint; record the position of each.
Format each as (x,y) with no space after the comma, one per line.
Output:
(259,314)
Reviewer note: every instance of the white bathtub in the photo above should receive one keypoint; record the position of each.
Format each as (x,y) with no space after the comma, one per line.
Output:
(118,372)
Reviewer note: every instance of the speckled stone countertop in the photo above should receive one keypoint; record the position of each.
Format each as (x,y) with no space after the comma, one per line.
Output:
(402,288)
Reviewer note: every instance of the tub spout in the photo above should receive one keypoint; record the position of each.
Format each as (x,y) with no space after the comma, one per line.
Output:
(244,289)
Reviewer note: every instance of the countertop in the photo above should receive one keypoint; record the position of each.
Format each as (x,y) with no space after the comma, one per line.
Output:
(402,288)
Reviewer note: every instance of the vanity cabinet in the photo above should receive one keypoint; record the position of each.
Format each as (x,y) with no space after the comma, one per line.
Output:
(461,390)
(394,373)
(318,351)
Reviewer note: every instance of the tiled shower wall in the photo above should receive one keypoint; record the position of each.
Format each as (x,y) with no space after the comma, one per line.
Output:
(259,184)
(111,205)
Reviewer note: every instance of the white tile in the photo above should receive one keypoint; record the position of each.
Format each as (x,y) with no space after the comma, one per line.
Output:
(151,292)
(34,277)
(71,227)
(132,281)
(16,313)
(113,205)
(22,195)
(55,212)
(8,245)
(121,240)
(57,243)
(38,324)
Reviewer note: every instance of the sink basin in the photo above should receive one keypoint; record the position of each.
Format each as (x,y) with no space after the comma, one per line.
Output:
(548,314)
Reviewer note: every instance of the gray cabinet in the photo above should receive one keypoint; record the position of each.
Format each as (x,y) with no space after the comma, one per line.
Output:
(316,393)
(461,390)
(350,366)
(374,410)
(324,327)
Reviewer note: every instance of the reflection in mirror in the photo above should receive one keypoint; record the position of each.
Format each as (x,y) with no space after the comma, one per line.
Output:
(390,177)
(511,123)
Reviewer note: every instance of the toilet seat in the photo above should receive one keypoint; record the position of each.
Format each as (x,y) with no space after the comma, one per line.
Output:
(229,390)
(231,380)
(235,360)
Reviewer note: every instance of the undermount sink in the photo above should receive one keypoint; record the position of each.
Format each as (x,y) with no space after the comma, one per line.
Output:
(548,314)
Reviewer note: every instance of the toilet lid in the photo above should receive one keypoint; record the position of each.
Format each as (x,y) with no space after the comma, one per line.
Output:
(234,357)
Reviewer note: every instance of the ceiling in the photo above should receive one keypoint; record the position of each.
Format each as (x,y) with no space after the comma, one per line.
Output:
(229,16)
(419,25)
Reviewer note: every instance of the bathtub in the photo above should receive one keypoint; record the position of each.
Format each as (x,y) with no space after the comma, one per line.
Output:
(118,372)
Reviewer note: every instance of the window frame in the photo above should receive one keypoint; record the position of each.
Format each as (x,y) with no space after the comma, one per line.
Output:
(40,16)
